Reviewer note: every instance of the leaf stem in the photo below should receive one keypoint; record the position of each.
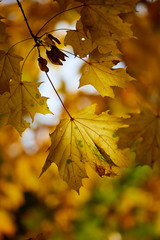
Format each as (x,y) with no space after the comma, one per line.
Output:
(58,96)
(54,30)
(27,57)
(74,55)
(19,42)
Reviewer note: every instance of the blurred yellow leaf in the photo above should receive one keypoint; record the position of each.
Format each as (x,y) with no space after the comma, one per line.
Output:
(7,226)
(11,195)
(143,135)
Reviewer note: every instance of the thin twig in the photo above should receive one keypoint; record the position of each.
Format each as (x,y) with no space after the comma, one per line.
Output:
(58,96)
(26,57)
(19,4)
(56,16)
(19,42)
(55,30)
(33,36)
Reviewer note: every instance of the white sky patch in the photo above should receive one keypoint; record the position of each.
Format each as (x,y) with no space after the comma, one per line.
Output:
(141,10)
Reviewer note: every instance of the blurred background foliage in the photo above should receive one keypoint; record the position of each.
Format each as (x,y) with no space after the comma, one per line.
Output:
(124,208)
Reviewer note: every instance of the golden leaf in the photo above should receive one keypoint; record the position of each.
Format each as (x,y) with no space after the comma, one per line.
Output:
(87,138)
(81,44)
(99,73)
(101,18)
(9,69)
(24,100)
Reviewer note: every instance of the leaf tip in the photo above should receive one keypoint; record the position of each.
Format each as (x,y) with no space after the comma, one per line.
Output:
(41,172)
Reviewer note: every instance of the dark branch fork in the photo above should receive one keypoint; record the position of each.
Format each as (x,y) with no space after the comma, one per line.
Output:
(38,44)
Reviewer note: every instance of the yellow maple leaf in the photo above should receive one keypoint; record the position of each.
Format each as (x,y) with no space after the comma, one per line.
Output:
(143,136)
(101,18)
(24,99)
(86,138)
(81,44)
(9,69)
(99,73)
(108,46)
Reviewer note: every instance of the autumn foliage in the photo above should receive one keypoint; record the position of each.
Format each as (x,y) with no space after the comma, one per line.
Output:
(99,163)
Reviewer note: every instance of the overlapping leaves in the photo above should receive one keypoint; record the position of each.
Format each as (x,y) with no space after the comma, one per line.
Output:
(100,24)
(87,137)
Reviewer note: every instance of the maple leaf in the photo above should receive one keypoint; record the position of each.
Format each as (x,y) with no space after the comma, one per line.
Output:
(101,19)
(24,99)
(85,139)
(81,44)
(9,69)
(143,136)
(99,73)
(108,46)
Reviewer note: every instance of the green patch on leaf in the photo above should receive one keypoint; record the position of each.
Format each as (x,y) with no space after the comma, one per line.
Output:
(135,144)
(41,102)
(97,153)
(114,135)
(37,95)
(69,161)
(80,143)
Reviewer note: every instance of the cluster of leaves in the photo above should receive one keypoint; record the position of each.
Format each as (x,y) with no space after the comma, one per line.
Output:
(83,137)
(102,38)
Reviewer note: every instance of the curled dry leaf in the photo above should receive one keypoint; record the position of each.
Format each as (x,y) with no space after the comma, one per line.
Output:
(43,64)
(55,55)
(52,38)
